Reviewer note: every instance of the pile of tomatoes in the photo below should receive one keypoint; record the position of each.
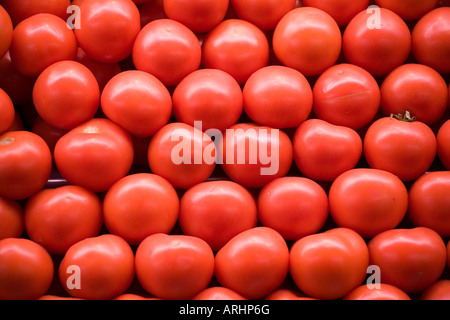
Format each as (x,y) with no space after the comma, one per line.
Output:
(104,103)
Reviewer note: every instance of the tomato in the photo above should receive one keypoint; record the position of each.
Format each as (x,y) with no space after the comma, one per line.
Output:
(440,290)
(278,97)
(26,271)
(168,50)
(323,151)
(368,201)
(151,11)
(7,111)
(279,207)
(287,294)
(58,218)
(237,47)
(346,95)
(341,11)
(108,29)
(410,9)
(94,155)
(307,39)
(254,263)
(11,215)
(329,265)
(25,164)
(264,14)
(140,205)
(97,268)
(39,41)
(208,95)
(429,44)
(21,10)
(443,144)
(403,147)
(216,211)
(182,154)
(218,293)
(50,134)
(409,259)
(384,292)
(133,297)
(6,28)
(52,297)
(378,41)
(174,267)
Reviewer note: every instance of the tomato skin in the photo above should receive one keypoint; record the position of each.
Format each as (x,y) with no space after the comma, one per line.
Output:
(218,293)
(440,290)
(409,259)
(410,9)
(254,263)
(26,271)
(384,292)
(21,10)
(342,11)
(174,267)
(443,144)
(7,31)
(329,265)
(11,215)
(7,111)
(287,294)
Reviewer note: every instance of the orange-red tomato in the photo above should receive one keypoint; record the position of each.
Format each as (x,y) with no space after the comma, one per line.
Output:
(408,9)
(342,11)
(443,144)
(20,10)
(440,290)
(6,33)
(218,293)
(383,292)
(7,112)
(11,215)
(287,294)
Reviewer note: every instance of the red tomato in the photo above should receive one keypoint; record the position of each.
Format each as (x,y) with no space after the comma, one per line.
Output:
(138,102)
(168,50)
(50,134)
(346,95)
(342,11)
(279,207)
(216,211)
(97,268)
(25,164)
(443,144)
(329,265)
(307,39)
(409,259)
(409,9)
(27,270)
(237,47)
(278,97)
(133,297)
(287,294)
(440,290)
(94,155)
(58,218)
(403,147)
(254,263)
(377,40)
(57,298)
(384,292)
(368,201)
(174,267)
(11,215)
(323,151)
(218,293)
(151,11)
(39,41)
(429,40)
(208,95)
(23,9)
(7,112)
(6,28)
(140,205)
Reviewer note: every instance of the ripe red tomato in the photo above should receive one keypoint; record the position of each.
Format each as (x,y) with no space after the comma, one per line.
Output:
(11,215)
(378,41)
(279,207)
(216,211)
(25,164)
(254,263)
(39,41)
(218,293)
(94,155)
(409,9)
(384,292)
(307,39)
(342,11)
(329,265)
(140,205)
(108,29)
(7,112)
(50,134)
(346,95)
(21,10)
(27,270)
(443,144)
(174,267)
(368,201)
(237,47)
(409,259)
(168,50)
(58,218)
(440,290)
(97,268)
(278,97)
(287,294)
(138,102)
(323,151)
(6,33)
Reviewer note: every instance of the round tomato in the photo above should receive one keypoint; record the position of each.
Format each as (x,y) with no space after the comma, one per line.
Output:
(58,218)
(21,10)
(307,39)
(108,29)
(6,28)
(11,215)
(218,293)
(409,9)
(346,95)
(293,206)
(329,265)
(323,151)
(26,271)
(97,268)
(342,11)
(50,134)
(278,97)
(174,267)
(377,40)
(383,292)
(95,154)
(440,290)
(287,294)
(409,259)
(39,41)
(254,263)
(25,164)
(443,144)
(7,112)
(237,47)
(138,102)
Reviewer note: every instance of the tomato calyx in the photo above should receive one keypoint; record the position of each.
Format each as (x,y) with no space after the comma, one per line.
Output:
(404,117)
